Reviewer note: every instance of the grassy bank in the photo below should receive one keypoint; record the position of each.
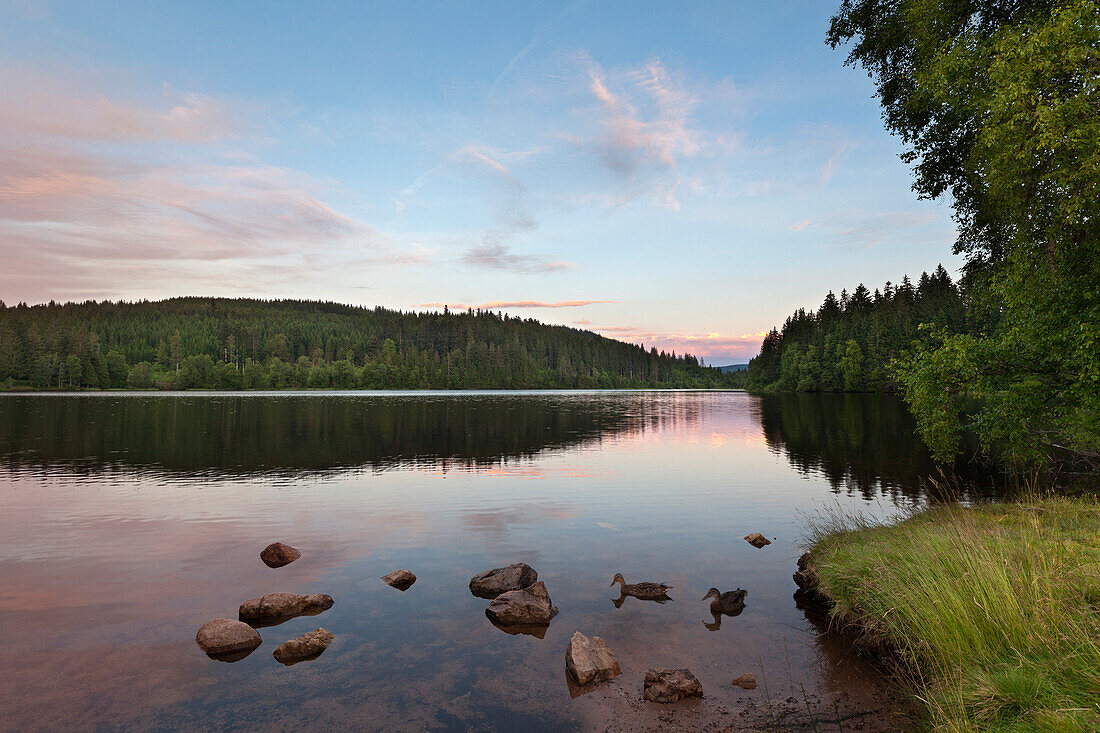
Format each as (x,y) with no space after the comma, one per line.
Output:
(993,610)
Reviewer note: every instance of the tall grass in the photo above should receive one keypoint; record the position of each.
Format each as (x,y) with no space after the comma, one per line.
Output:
(994,610)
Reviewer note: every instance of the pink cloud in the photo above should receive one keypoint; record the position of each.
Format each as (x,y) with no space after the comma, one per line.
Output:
(126,196)
(516,304)
(711,346)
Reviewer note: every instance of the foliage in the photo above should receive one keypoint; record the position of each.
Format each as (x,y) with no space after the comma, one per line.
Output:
(999,104)
(188,343)
(848,344)
(995,608)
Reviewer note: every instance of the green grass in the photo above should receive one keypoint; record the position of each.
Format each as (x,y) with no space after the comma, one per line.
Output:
(994,610)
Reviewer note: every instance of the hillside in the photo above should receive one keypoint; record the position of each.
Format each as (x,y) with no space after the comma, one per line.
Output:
(186,343)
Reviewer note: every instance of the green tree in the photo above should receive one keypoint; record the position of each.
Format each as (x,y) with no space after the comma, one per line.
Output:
(141,376)
(851,367)
(999,105)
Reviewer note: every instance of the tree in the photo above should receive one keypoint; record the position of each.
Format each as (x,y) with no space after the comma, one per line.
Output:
(1000,107)
(851,367)
(141,376)
(117,371)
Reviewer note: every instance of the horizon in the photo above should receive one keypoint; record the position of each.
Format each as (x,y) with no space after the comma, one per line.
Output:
(686,182)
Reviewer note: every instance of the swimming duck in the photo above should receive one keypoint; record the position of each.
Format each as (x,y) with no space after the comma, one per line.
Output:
(730,603)
(645,591)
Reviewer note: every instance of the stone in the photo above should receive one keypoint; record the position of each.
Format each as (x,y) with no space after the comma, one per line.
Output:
(757,540)
(307,646)
(492,583)
(809,595)
(670,685)
(278,607)
(590,659)
(226,639)
(528,607)
(745,682)
(277,555)
(400,579)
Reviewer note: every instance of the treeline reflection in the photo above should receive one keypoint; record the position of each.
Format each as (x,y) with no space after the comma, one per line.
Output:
(290,435)
(865,443)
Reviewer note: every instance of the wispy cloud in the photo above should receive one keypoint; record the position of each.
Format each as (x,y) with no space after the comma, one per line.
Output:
(710,346)
(862,230)
(125,191)
(834,161)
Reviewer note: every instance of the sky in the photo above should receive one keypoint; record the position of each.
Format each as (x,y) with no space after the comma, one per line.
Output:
(682,175)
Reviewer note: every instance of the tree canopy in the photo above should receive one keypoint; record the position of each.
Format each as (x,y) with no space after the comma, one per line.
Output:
(999,106)
(185,343)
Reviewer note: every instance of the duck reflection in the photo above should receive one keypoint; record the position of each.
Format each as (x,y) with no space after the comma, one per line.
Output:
(731,603)
(644,591)
(618,602)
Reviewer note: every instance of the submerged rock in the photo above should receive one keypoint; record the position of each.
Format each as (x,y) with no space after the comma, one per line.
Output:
(492,583)
(227,640)
(277,555)
(745,682)
(277,607)
(307,646)
(590,659)
(400,579)
(757,540)
(528,607)
(670,685)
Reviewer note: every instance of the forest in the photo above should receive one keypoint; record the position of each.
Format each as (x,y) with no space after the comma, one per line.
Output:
(849,343)
(215,343)
(998,107)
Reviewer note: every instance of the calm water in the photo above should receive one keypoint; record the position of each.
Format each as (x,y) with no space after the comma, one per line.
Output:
(128,521)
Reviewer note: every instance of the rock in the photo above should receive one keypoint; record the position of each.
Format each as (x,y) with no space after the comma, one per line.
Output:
(670,685)
(277,555)
(492,583)
(536,630)
(757,540)
(808,594)
(307,646)
(400,579)
(227,640)
(278,607)
(528,607)
(745,682)
(590,659)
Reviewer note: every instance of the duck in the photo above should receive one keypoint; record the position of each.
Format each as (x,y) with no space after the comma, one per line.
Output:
(645,591)
(730,603)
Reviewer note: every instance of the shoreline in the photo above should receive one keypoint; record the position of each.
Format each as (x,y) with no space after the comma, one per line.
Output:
(990,614)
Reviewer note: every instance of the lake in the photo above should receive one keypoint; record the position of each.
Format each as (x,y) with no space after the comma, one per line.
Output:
(130,520)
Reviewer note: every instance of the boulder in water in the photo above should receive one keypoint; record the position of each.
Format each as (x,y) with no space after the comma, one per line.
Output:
(530,606)
(590,659)
(307,646)
(227,640)
(277,607)
(277,555)
(745,682)
(492,583)
(670,685)
(400,579)
(757,540)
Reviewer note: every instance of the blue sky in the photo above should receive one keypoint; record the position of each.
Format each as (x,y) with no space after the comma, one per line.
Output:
(682,175)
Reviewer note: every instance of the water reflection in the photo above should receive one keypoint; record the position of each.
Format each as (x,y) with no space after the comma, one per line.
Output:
(731,603)
(862,443)
(295,435)
(125,522)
